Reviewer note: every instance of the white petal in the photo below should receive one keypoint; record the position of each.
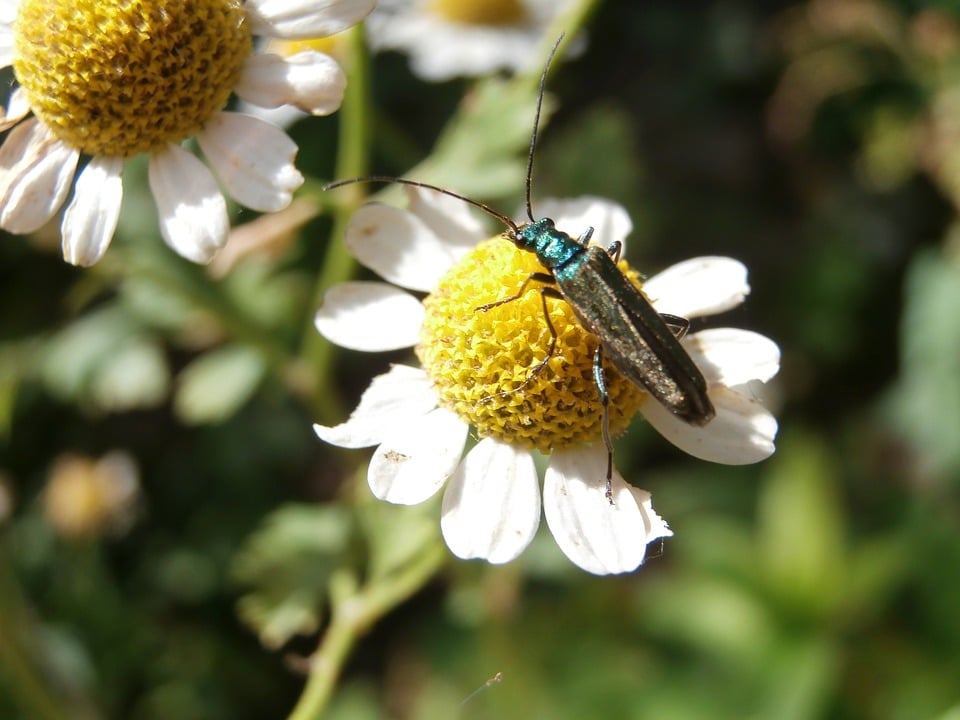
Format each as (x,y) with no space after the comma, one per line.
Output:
(491,507)
(609,220)
(741,433)
(701,286)
(308,80)
(36,170)
(6,34)
(395,399)
(416,459)
(91,217)
(192,212)
(8,12)
(399,247)
(370,317)
(252,158)
(449,218)
(305,19)
(598,536)
(729,356)
(18,107)
(656,526)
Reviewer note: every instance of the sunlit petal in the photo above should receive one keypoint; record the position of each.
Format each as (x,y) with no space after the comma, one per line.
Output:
(308,80)
(91,217)
(701,286)
(398,246)
(252,158)
(598,535)
(491,507)
(730,356)
(742,432)
(36,170)
(416,459)
(370,317)
(394,399)
(192,212)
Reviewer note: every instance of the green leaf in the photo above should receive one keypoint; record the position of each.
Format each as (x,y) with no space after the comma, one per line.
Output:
(286,565)
(482,152)
(105,358)
(135,376)
(801,528)
(397,534)
(925,403)
(214,386)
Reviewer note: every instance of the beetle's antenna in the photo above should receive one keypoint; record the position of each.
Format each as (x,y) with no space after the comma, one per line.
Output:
(536,125)
(427,186)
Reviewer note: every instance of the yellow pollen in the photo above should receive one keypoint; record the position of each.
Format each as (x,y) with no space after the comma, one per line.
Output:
(479,12)
(120,77)
(480,362)
(333,45)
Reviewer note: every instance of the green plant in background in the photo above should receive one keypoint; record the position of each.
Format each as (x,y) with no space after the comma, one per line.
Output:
(225,563)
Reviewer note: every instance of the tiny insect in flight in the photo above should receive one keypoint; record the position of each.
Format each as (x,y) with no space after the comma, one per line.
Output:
(642,344)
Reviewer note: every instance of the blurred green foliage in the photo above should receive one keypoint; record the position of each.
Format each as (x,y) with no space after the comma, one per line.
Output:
(816,141)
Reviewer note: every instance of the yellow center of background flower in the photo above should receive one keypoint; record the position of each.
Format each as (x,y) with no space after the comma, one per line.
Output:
(480,361)
(479,12)
(121,77)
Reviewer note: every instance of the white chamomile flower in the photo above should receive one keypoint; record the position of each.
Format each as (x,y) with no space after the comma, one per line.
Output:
(476,372)
(450,38)
(106,81)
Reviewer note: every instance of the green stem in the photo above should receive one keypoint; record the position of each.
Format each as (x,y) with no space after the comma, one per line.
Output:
(353,614)
(352,161)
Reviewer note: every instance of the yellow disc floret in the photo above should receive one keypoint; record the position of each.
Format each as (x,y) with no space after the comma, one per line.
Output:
(481,362)
(120,77)
(479,12)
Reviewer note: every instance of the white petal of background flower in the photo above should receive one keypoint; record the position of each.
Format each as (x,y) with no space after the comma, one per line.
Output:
(308,80)
(440,50)
(252,158)
(741,433)
(36,171)
(730,356)
(416,459)
(91,217)
(192,212)
(398,246)
(395,399)
(305,19)
(491,507)
(370,317)
(608,219)
(700,286)
(599,537)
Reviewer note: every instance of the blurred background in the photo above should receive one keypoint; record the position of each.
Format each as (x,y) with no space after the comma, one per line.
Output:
(169,523)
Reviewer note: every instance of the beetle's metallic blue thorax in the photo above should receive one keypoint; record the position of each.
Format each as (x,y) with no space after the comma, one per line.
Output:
(553,248)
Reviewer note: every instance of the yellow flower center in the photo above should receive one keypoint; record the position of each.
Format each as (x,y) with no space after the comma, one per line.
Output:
(120,77)
(481,362)
(479,12)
